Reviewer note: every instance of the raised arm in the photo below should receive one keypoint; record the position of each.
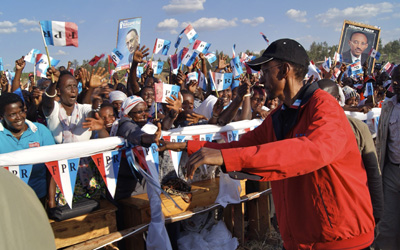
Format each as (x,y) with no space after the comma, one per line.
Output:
(51,92)
(138,55)
(19,67)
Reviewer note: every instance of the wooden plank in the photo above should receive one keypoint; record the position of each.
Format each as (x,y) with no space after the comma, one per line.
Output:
(238,226)
(203,193)
(82,228)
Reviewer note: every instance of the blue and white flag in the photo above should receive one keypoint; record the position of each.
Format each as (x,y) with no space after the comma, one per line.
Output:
(157,67)
(190,33)
(236,66)
(162,46)
(374,54)
(327,64)
(189,58)
(356,68)
(1,64)
(31,56)
(60,33)
(139,71)
(211,57)
(220,81)
(42,64)
(192,76)
(116,56)
(202,81)
(22,171)
(233,51)
(201,47)
(369,89)
(164,90)
(338,57)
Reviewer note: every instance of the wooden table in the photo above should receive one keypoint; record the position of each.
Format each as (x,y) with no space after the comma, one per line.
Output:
(85,227)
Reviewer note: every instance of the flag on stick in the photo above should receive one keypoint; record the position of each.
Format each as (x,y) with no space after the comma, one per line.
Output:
(60,33)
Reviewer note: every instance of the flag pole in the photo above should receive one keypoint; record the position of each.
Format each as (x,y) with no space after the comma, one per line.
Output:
(47,51)
(34,71)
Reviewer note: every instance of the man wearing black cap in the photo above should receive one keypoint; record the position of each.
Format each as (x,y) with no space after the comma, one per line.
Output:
(308,151)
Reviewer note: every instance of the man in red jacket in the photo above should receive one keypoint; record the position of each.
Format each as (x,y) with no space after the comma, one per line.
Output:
(308,151)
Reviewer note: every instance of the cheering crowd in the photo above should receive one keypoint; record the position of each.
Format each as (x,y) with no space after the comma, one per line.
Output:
(53,110)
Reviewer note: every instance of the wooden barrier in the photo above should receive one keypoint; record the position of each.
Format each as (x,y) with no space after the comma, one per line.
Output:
(102,241)
(137,208)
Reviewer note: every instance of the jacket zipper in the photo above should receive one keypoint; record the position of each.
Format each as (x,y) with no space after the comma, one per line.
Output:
(323,203)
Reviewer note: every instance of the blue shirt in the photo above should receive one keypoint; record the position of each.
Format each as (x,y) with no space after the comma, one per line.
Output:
(36,135)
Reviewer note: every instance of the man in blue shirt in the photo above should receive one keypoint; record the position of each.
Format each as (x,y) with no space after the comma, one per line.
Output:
(17,133)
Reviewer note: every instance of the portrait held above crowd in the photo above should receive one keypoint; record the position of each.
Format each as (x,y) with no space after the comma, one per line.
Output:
(324,134)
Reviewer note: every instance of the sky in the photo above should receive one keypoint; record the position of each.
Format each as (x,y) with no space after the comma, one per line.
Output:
(219,22)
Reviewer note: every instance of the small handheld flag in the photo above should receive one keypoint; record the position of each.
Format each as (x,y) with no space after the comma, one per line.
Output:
(60,33)
(1,64)
(190,33)
(369,89)
(157,67)
(31,56)
(211,57)
(201,47)
(95,60)
(42,64)
(189,58)
(220,81)
(338,57)
(162,46)
(265,38)
(374,54)
(163,90)
(116,56)
(236,66)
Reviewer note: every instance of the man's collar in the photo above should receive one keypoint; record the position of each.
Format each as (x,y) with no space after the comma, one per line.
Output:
(303,96)
(30,124)
(354,58)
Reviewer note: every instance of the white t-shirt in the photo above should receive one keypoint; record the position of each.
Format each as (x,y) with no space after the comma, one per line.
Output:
(54,124)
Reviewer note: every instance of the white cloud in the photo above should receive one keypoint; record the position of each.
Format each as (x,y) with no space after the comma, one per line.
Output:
(6,24)
(1,13)
(183,6)
(8,30)
(35,29)
(61,53)
(82,21)
(168,25)
(27,22)
(254,22)
(205,24)
(335,16)
(297,15)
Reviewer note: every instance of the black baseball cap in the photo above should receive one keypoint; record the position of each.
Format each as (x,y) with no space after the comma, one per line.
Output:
(284,49)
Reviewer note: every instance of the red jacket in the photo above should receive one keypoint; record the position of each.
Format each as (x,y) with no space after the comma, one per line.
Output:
(318,180)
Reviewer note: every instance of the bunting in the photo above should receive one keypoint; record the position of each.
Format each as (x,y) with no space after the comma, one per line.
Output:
(22,171)
(64,173)
(108,165)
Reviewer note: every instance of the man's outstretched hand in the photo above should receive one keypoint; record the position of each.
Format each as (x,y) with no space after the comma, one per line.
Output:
(203,156)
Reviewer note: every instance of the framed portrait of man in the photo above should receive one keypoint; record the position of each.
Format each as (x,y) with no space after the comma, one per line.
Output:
(356,42)
(128,38)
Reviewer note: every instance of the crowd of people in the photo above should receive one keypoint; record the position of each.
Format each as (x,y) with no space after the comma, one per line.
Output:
(53,110)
